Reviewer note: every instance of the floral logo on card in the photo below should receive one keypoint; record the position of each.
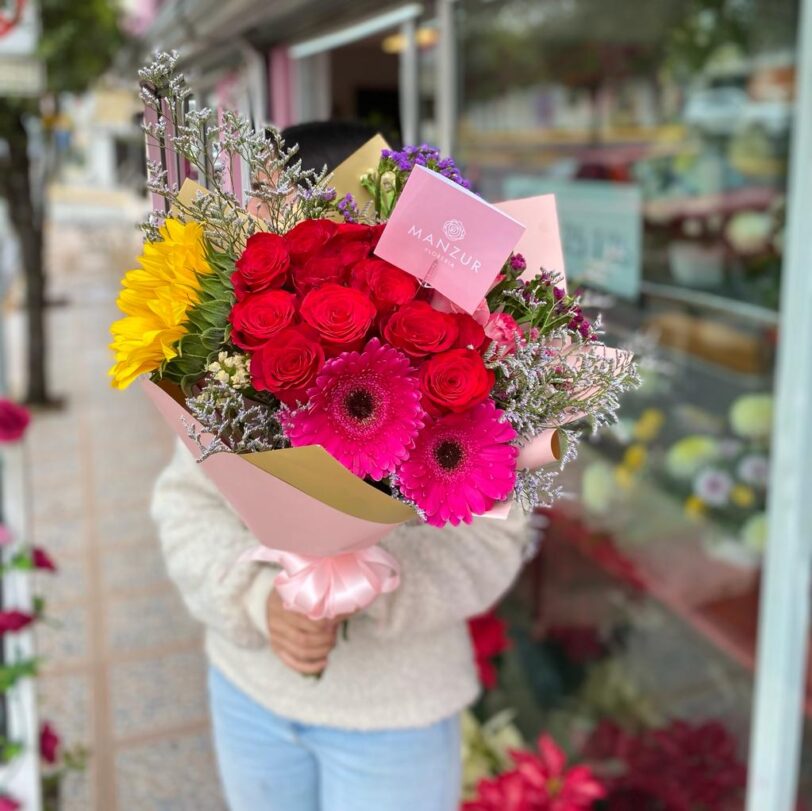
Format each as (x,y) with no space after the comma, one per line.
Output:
(454,230)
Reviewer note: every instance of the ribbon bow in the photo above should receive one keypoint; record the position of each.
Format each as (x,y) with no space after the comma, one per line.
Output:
(325,588)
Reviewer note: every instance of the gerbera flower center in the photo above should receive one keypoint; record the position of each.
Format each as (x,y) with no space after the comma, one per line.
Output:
(448,454)
(360,404)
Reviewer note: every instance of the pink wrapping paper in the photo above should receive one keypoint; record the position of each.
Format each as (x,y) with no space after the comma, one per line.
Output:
(318,544)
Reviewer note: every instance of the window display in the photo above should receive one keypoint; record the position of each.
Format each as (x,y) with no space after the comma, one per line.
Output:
(663,129)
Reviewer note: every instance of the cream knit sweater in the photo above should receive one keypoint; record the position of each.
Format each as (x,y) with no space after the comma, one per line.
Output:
(407,660)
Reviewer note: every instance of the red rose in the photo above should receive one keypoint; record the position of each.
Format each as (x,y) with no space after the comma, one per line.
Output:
(456,380)
(354,232)
(257,318)
(471,334)
(322,268)
(375,234)
(304,239)
(390,286)
(342,316)
(264,263)
(288,365)
(345,250)
(14,420)
(419,330)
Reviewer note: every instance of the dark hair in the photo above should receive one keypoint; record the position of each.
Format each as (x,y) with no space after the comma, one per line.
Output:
(327,142)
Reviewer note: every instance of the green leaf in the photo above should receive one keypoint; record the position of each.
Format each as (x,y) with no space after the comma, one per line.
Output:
(12,673)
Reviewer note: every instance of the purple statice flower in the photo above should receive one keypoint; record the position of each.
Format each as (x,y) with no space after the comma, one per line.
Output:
(326,195)
(517,261)
(348,208)
(558,293)
(424,155)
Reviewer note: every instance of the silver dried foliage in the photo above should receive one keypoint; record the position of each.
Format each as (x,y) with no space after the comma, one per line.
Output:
(231,422)
(287,193)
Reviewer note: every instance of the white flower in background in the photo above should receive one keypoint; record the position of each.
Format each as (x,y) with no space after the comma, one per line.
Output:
(754,532)
(754,469)
(750,232)
(751,416)
(713,486)
(486,747)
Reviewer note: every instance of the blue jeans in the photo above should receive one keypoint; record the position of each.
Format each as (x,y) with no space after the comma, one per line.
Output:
(268,763)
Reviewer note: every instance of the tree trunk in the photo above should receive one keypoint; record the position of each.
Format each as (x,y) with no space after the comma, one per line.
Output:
(27,223)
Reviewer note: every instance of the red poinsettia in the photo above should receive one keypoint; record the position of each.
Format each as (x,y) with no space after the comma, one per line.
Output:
(680,767)
(541,781)
(489,639)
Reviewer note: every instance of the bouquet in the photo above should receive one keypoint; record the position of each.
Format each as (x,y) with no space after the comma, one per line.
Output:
(337,367)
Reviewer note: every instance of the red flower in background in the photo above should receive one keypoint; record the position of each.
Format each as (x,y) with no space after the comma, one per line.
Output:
(540,781)
(263,265)
(42,560)
(581,644)
(49,743)
(680,767)
(9,803)
(489,639)
(14,420)
(12,621)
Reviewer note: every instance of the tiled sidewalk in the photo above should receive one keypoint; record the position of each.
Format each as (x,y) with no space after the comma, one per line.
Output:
(124,672)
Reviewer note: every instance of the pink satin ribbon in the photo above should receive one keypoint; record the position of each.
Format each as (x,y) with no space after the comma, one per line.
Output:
(325,588)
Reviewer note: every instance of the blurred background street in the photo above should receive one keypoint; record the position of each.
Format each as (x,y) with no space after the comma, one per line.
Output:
(124,671)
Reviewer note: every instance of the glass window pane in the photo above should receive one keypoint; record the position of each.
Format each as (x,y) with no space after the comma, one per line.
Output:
(663,129)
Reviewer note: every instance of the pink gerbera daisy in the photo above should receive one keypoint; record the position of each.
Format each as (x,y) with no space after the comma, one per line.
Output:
(364,409)
(461,465)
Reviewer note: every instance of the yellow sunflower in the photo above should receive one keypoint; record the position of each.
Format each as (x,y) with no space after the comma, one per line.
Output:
(156,299)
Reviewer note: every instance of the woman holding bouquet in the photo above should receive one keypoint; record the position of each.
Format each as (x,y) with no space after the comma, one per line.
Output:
(308,719)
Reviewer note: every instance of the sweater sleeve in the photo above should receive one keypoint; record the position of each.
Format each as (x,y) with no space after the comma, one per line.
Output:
(450,574)
(202,538)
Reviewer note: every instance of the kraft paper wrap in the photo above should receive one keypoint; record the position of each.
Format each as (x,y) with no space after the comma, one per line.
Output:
(298,500)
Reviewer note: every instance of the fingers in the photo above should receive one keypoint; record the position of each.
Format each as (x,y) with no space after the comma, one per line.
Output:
(306,668)
(303,645)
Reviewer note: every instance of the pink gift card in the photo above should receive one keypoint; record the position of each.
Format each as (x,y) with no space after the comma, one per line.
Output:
(448,238)
(541,243)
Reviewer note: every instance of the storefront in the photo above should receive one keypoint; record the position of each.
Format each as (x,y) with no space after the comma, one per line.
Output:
(677,136)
